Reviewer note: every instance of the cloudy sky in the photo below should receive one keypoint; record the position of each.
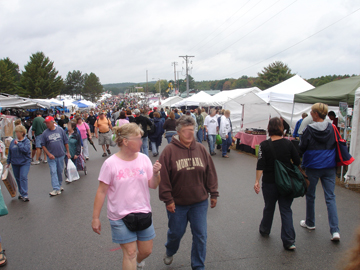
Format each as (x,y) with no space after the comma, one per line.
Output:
(119,40)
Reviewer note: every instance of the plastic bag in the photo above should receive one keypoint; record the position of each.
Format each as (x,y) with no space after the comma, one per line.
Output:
(113,142)
(72,171)
(3,209)
(218,139)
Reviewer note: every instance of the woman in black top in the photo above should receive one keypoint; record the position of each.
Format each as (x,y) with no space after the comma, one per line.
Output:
(170,127)
(285,152)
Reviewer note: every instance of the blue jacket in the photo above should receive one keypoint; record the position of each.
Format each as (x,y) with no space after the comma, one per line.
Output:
(318,145)
(296,130)
(19,154)
(159,131)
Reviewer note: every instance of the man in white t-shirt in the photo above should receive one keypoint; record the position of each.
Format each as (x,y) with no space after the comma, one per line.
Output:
(210,125)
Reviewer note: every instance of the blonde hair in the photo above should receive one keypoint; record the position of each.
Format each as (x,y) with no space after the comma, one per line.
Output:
(17,122)
(20,129)
(321,109)
(125,131)
(227,112)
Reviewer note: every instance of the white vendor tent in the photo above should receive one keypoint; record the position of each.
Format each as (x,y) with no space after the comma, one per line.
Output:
(169,102)
(221,98)
(353,173)
(88,103)
(281,98)
(194,100)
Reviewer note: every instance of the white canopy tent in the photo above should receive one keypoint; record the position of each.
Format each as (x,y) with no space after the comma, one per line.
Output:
(194,100)
(169,102)
(281,98)
(353,173)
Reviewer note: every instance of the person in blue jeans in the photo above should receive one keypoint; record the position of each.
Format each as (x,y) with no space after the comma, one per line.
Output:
(185,186)
(319,147)
(283,150)
(211,127)
(225,130)
(20,158)
(54,141)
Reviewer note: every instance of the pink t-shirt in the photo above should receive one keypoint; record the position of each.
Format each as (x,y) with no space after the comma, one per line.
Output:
(83,128)
(121,122)
(128,185)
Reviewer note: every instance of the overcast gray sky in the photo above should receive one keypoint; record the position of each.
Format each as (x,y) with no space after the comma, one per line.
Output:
(119,40)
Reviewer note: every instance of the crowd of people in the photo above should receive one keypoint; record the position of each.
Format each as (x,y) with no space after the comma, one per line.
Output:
(184,172)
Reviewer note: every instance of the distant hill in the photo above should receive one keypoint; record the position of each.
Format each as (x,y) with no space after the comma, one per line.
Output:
(117,88)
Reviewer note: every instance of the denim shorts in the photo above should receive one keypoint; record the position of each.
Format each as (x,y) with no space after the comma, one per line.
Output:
(38,141)
(122,235)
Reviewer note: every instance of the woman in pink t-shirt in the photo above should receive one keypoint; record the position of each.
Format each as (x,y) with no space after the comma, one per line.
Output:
(84,132)
(125,178)
(122,120)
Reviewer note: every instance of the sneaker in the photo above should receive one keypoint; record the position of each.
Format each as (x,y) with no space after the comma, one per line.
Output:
(141,265)
(55,192)
(168,259)
(20,197)
(67,180)
(25,199)
(45,161)
(36,162)
(303,224)
(213,154)
(335,237)
(87,158)
(292,247)
(61,189)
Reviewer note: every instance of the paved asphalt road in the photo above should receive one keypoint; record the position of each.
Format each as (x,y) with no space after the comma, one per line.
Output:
(55,233)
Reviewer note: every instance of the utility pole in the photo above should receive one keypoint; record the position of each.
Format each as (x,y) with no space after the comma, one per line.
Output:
(186,58)
(147,89)
(174,64)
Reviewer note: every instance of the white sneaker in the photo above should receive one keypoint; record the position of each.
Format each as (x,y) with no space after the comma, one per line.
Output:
(335,237)
(141,265)
(36,162)
(303,224)
(67,180)
(168,259)
(61,189)
(55,192)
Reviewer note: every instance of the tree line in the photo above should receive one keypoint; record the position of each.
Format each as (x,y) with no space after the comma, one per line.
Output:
(269,76)
(40,79)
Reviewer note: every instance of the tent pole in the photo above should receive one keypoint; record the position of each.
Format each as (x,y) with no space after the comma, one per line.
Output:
(292,114)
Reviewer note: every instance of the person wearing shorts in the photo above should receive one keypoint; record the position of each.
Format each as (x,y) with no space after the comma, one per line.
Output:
(38,127)
(103,125)
(125,178)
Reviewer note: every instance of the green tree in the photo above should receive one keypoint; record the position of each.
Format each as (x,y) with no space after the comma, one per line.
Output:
(92,87)
(74,83)
(163,87)
(9,77)
(273,74)
(40,79)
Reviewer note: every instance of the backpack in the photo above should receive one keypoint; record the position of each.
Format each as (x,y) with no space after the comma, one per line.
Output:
(152,128)
(219,121)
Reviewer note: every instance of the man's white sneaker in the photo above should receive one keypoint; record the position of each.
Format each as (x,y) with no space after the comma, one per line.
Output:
(168,259)
(335,237)
(303,224)
(36,162)
(55,192)
(140,266)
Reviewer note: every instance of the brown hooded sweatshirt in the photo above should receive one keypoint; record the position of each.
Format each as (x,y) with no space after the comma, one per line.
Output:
(188,175)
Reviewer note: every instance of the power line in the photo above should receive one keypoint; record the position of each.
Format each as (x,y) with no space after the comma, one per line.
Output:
(220,25)
(243,25)
(297,42)
(257,27)
(230,25)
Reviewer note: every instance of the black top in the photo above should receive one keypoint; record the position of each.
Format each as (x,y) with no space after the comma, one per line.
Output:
(131,119)
(170,125)
(285,152)
(144,122)
(91,120)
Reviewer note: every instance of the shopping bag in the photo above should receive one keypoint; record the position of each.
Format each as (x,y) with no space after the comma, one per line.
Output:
(113,142)
(343,157)
(9,182)
(218,139)
(72,171)
(3,209)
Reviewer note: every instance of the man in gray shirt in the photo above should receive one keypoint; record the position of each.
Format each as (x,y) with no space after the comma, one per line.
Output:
(54,142)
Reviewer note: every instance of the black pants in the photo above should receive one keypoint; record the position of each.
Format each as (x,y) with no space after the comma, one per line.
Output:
(271,196)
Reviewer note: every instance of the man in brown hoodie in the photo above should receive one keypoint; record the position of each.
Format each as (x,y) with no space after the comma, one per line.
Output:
(188,176)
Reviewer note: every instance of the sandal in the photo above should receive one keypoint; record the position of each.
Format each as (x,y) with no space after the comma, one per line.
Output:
(104,155)
(3,258)
(226,156)
(108,150)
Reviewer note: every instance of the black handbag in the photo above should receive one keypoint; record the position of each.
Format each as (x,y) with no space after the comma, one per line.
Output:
(138,221)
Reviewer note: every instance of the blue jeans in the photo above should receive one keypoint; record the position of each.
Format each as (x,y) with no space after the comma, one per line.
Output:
(204,135)
(327,178)
(56,170)
(144,147)
(154,148)
(200,135)
(211,141)
(226,143)
(271,196)
(196,214)
(21,175)
(169,135)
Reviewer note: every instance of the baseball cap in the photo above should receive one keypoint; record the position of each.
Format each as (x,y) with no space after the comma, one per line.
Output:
(155,108)
(101,112)
(49,119)
(188,112)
